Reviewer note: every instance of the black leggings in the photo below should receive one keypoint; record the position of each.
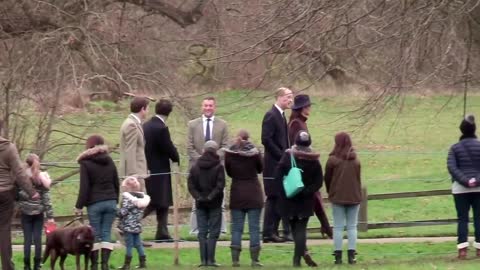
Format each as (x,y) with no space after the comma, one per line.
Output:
(299,233)
(32,230)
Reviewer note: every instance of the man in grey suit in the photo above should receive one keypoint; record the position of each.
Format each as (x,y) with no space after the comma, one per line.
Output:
(132,142)
(205,128)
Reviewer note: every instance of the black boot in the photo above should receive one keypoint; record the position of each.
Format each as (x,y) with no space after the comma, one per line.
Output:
(235,250)
(26,264)
(254,254)
(142,262)
(126,264)
(105,258)
(37,263)
(296,261)
(202,244)
(94,259)
(351,256)
(211,246)
(338,256)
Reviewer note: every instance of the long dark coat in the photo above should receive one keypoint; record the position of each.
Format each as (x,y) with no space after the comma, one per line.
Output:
(159,150)
(294,126)
(302,204)
(275,141)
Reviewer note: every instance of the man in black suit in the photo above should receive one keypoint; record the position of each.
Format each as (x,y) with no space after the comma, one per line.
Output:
(159,150)
(275,141)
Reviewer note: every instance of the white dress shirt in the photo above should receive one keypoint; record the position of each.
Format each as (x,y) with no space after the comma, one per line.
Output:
(159,117)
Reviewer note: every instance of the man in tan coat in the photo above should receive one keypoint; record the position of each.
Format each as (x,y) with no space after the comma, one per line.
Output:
(200,130)
(132,142)
(11,172)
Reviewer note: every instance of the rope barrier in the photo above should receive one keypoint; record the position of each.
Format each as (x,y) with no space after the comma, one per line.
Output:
(444,153)
(434,180)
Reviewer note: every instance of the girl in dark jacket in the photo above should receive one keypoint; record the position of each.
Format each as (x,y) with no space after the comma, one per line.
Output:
(99,190)
(243,163)
(206,182)
(344,187)
(134,201)
(464,167)
(299,208)
(34,212)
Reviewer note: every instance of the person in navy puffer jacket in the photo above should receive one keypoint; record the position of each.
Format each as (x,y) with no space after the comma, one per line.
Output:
(464,166)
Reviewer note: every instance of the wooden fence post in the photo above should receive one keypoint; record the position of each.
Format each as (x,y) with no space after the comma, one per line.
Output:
(363,213)
(175,215)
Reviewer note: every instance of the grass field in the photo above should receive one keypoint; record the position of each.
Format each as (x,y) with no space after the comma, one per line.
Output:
(371,256)
(399,150)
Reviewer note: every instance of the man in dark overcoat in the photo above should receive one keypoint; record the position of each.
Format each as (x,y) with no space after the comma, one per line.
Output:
(275,142)
(159,150)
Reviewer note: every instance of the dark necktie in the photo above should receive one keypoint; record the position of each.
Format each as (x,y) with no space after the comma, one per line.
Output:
(286,129)
(207,130)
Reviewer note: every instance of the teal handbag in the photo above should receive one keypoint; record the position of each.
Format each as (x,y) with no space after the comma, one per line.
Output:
(292,182)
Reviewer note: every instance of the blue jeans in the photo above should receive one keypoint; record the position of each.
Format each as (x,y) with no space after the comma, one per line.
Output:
(101,216)
(463,203)
(209,222)
(32,226)
(345,215)
(133,240)
(238,220)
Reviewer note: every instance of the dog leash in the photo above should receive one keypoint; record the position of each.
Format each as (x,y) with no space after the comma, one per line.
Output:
(77,218)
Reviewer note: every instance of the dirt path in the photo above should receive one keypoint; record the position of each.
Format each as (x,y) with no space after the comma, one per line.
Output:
(310,242)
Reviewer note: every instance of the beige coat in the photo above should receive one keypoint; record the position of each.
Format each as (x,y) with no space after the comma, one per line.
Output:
(196,138)
(132,150)
(12,170)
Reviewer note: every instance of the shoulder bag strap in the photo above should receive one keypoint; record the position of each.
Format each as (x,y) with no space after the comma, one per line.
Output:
(292,159)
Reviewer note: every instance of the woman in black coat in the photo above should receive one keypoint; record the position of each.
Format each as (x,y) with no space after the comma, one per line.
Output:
(99,190)
(299,208)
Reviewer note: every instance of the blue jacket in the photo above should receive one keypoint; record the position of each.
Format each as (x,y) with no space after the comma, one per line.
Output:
(462,165)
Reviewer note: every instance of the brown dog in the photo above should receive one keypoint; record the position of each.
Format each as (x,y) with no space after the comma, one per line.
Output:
(76,241)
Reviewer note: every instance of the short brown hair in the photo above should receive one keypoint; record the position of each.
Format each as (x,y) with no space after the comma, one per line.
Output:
(210,98)
(281,91)
(93,141)
(163,107)
(138,103)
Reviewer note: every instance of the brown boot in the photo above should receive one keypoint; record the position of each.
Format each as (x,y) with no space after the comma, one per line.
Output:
(143,262)
(126,264)
(308,259)
(462,253)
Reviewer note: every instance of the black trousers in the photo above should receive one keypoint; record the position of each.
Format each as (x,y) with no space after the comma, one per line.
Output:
(6,213)
(463,202)
(272,218)
(299,233)
(162,221)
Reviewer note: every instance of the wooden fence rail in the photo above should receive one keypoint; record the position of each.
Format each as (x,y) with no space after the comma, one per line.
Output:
(363,224)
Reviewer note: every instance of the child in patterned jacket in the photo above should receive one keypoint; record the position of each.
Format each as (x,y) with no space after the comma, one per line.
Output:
(34,211)
(131,211)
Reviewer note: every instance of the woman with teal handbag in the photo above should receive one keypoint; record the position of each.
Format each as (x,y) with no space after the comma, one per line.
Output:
(296,203)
